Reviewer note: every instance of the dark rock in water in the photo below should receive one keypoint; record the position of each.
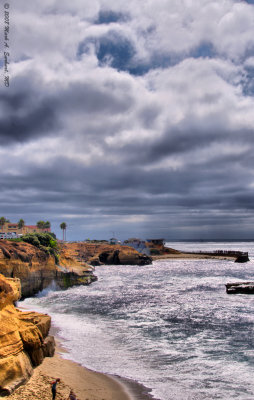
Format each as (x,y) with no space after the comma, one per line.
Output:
(240,287)
(66,280)
(242,258)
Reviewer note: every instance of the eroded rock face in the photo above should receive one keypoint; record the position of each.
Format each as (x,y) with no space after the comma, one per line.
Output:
(99,254)
(36,269)
(24,340)
(32,266)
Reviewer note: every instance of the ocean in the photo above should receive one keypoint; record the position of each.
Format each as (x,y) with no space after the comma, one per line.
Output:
(170,325)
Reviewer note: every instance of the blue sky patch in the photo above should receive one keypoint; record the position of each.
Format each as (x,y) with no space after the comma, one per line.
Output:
(107,17)
(204,50)
(118,50)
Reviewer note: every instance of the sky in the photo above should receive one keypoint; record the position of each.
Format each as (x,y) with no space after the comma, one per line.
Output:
(130,118)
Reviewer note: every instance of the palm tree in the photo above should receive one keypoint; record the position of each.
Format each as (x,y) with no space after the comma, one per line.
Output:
(63,226)
(21,223)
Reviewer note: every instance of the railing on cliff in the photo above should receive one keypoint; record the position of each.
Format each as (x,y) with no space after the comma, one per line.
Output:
(229,253)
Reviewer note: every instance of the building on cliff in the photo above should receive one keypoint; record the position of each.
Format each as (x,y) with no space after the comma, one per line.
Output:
(156,242)
(138,244)
(114,241)
(12,230)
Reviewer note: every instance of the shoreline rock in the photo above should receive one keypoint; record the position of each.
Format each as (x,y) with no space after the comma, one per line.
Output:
(240,287)
(24,340)
(37,270)
(102,254)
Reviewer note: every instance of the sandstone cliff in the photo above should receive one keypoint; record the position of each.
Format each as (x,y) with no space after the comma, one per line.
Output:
(101,253)
(36,269)
(23,338)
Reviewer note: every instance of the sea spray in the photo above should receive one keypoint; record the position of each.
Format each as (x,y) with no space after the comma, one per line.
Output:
(52,287)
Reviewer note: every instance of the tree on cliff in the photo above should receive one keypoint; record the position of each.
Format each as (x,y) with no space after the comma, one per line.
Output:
(2,221)
(40,224)
(21,223)
(43,224)
(63,226)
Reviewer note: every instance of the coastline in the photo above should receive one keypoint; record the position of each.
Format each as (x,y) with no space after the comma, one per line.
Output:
(87,384)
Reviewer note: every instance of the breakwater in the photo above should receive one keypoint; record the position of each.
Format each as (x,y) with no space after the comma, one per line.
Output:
(226,253)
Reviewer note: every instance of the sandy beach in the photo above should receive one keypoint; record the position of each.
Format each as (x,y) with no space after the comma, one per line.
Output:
(87,385)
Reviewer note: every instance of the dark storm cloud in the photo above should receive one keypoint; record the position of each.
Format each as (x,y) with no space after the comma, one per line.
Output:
(181,141)
(88,98)
(34,112)
(68,187)
(38,121)
(127,191)
(26,113)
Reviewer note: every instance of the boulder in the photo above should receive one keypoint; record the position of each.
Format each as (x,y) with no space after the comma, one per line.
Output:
(242,258)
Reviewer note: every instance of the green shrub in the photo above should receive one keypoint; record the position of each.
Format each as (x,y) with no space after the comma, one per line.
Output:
(56,258)
(32,239)
(154,252)
(44,242)
(37,239)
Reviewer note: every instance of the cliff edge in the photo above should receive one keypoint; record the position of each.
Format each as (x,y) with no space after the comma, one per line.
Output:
(24,340)
(36,269)
(101,254)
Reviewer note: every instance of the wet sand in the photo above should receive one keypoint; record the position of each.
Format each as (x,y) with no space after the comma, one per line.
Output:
(86,384)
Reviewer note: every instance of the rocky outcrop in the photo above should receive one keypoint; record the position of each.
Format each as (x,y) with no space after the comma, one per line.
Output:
(36,269)
(242,258)
(24,340)
(101,254)
(240,287)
